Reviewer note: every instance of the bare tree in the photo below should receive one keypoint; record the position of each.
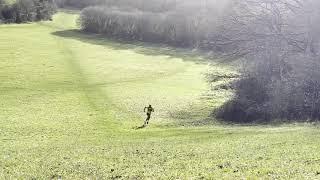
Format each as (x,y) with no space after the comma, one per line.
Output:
(278,38)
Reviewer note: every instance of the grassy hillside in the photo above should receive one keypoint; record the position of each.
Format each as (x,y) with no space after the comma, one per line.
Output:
(71,104)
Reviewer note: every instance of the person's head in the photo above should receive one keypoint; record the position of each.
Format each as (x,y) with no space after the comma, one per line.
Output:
(149,105)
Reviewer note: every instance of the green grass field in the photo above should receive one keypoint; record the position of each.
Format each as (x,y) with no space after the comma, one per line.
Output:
(71,104)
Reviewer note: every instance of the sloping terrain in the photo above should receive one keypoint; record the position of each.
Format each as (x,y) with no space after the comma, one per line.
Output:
(71,104)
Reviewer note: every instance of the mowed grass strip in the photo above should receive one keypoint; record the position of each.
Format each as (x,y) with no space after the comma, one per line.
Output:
(70,104)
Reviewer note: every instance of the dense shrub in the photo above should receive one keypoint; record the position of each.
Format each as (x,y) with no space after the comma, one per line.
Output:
(184,24)
(2,5)
(26,11)
(78,3)
(143,5)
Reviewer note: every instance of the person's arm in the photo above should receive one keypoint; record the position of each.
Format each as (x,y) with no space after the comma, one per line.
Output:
(152,109)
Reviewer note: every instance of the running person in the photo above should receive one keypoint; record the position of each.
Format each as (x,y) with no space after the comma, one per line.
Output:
(149,111)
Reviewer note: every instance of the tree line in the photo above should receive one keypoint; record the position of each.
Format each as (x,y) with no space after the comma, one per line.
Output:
(153,5)
(26,11)
(184,23)
(280,43)
(78,3)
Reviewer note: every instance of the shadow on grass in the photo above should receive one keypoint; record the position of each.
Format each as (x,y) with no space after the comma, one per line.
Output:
(140,127)
(138,47)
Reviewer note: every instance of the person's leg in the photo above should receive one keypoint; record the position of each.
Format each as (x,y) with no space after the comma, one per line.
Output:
(146,121)
(148,118)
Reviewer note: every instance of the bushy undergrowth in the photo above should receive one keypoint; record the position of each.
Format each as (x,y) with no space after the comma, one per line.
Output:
(26,11)
(261,95)
(183,24)
(78,3)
